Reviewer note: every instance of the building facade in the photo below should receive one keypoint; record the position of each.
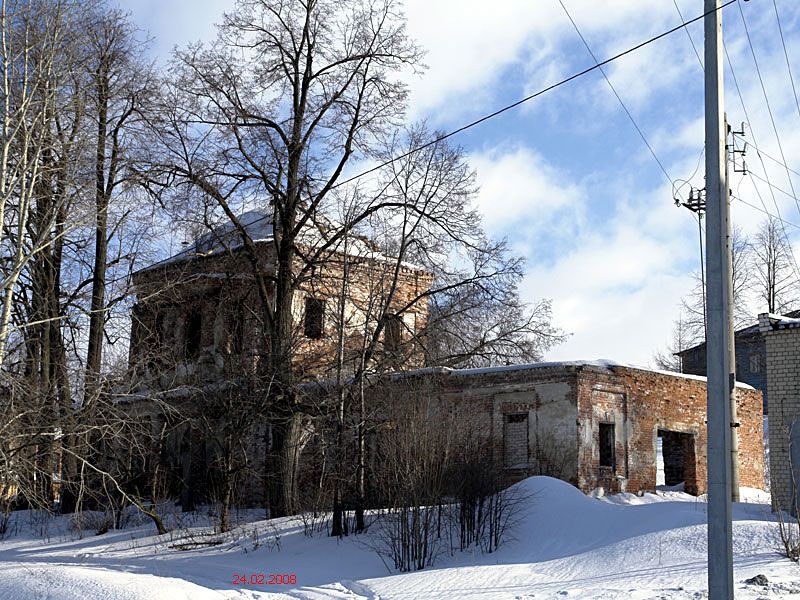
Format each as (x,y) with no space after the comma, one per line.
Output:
(197,334)
(199,319)
(782,338)
(593,424)
(751,360)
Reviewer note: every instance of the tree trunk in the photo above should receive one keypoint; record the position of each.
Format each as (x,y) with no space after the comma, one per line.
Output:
(289,437)
(97,313)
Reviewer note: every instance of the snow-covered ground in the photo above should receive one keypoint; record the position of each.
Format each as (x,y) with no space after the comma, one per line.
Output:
(566,545)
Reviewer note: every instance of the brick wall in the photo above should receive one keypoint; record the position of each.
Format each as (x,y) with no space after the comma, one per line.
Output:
(783,379)
(564,406)
(221,291)
(641,403)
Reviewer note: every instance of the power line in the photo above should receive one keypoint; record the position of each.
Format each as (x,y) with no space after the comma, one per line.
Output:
(510,106)
(786,55)
(772,158)
(761,160)
(536,94)
(689,34)
(613,89)
(775,187)
(753,206)
(766,100)
(747,117)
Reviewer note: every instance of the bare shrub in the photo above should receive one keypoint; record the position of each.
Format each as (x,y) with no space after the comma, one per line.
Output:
(789,535)
(484,509)
(440,482)
(788,524)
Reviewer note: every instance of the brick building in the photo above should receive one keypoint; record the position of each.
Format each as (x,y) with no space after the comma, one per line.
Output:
(197,339)
(751,360)
(593,424)
(196,328)
(197,319)
(782,337)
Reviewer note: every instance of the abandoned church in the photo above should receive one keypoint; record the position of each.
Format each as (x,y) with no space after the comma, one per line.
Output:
(195,328)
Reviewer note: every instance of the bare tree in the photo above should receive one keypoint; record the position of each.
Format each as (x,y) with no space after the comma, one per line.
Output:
(275,109)
(421,215)
(774,273)
(120,84)
(33,41)
(668,359)
(690,329)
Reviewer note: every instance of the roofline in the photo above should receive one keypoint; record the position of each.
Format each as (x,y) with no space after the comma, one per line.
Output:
(768,322)
(748,329)
(177,259)
(598,365)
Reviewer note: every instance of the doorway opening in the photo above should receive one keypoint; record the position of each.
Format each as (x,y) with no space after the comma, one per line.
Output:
(675,461)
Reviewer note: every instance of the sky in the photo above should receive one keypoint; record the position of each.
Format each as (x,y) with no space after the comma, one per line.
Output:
(566,178)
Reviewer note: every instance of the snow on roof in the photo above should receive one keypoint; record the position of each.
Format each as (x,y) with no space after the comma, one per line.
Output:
(258,226)
(769,322)
(602,364)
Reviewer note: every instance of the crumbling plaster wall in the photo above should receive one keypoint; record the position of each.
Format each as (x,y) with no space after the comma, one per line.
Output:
(221,288)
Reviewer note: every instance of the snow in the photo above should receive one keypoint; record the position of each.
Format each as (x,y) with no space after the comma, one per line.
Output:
(605,364)
(566,545)
(259,228)
(769,321)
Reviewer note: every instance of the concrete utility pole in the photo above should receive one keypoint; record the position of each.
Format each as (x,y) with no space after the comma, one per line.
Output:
(731,334)
(718,299)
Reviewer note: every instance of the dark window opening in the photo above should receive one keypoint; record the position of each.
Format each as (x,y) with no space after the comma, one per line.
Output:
(154,349)
(160,337)
(194,328)
(607,445)
(314,321)
(236,329)
(393,334)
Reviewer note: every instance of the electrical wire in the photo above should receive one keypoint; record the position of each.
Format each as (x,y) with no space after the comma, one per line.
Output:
(772,158)
(766,101)
(755,207)
(774,187)
(619,99)
(786,55)
(761,159)
(508,107)
(689,34)
(599,65)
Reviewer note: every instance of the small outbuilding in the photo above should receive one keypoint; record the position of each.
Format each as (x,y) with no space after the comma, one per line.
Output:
(594,424)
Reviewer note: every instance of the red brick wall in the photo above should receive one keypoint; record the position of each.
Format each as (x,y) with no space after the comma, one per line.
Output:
(646,402)
(565,405)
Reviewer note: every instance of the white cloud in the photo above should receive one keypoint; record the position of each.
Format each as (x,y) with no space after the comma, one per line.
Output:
(177,22)
(615,281)
(611,250)
(522,191)
(471,42)
(617,289)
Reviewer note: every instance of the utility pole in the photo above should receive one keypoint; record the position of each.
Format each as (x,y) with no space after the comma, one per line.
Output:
(734,421)
(718,298)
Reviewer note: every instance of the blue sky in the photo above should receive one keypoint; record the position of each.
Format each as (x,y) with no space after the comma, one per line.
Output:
(566,178)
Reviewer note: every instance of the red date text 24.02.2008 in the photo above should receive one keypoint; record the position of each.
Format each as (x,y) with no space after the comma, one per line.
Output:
(264,578)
